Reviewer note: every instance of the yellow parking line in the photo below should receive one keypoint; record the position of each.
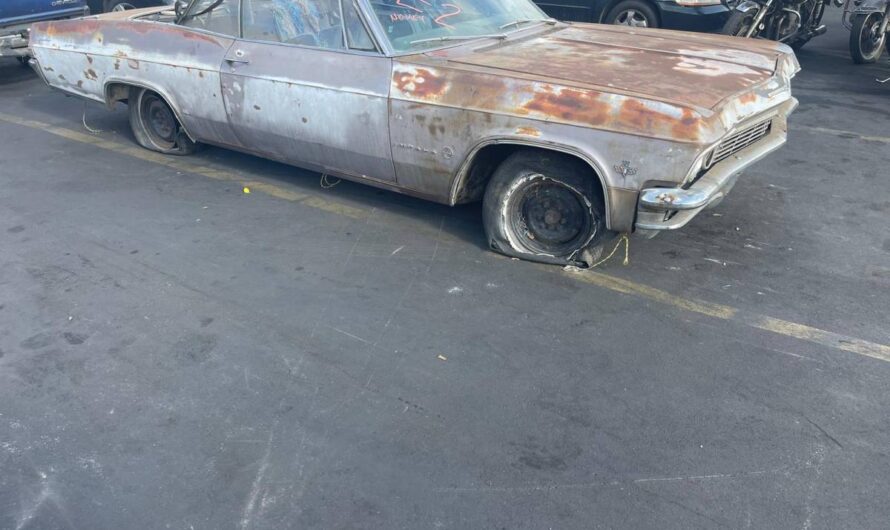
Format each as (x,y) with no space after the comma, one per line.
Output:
(605,281)
(732,314)
(185,165)
(842,133)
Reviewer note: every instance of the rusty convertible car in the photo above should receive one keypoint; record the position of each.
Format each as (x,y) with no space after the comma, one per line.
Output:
(568,133)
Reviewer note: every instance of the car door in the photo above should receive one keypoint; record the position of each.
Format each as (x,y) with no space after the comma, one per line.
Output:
(306,85)
(194,51)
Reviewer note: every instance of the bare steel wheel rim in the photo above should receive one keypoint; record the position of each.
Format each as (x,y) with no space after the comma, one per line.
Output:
(158,121)
(633,18)
(551,217)
(871,38)
(123,7)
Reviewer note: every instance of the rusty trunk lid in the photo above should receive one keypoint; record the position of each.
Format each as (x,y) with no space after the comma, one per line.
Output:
(689,69)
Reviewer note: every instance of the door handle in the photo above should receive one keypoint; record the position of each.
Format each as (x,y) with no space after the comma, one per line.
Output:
(238,58)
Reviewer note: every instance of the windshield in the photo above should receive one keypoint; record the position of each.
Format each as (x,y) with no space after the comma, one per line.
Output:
(412,25)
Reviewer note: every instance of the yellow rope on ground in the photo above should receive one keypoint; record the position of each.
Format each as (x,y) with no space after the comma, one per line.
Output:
(626,241)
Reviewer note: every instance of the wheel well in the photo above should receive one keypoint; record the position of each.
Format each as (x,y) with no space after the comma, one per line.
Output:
(115,92)
(488,158)
(611,5)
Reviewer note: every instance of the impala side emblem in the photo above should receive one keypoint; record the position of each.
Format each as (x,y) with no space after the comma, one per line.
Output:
(625,169)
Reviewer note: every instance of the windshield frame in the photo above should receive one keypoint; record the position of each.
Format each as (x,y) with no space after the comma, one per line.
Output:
(379,33)
(380,38)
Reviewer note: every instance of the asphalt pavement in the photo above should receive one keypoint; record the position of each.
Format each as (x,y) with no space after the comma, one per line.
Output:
(177,353)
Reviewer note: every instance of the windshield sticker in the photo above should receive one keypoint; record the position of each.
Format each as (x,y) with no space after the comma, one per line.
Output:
(438,13)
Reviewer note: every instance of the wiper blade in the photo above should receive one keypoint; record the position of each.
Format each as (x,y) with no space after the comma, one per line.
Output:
(548,21)
(459,37)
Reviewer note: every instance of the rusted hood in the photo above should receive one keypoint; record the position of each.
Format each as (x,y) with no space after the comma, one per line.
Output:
(688,69)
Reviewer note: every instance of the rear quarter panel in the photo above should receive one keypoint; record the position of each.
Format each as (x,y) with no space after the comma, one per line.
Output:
(82,57)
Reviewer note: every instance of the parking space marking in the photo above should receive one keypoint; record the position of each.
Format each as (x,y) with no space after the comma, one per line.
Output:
(842,133)
(185,165)
(723,312)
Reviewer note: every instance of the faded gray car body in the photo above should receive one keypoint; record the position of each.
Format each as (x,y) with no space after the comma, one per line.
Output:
(645,109)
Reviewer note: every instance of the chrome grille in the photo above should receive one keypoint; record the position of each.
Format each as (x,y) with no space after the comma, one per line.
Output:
(739,141)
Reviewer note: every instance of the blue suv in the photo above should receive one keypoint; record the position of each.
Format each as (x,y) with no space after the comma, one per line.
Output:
(17,15)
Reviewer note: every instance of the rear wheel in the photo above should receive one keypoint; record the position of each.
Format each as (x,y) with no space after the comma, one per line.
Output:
(634,13)
(866,39)
(739,23)
(545,207)
(155,125)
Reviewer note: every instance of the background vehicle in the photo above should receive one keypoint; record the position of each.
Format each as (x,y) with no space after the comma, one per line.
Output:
(17,15)
(104,6)
(869,23)
(793,22)
(691,15)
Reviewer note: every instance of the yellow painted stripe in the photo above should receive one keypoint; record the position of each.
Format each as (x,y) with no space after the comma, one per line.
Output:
(612,283)
(842,133)
(188,166)
(724,312)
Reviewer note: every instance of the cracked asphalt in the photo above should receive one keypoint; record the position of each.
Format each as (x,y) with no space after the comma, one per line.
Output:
(175,353)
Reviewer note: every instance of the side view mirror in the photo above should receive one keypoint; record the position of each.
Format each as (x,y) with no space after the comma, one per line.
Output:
(179,7)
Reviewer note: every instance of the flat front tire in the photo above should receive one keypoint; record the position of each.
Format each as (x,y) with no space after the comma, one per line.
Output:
(155,125)
(545,207)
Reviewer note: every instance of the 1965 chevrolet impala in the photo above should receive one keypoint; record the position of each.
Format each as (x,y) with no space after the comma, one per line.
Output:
(569,133)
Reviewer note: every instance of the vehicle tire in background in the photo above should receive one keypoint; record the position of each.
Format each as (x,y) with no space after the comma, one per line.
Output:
(545,206)
(155,125)
(866,42)
(634,13)
(738,24)
(119,5)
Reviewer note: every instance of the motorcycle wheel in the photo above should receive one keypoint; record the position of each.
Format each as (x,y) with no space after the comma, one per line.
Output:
(739,23)
(866,44)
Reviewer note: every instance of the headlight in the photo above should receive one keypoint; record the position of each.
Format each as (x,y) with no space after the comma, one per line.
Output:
(788,66)
(691,3)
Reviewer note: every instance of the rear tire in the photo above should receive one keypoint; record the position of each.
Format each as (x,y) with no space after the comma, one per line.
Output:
(739,23)
(155,125)
(866,46)
(634,13)
(545,206)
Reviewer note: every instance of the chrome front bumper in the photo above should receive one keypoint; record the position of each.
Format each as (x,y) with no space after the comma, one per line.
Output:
(673,208)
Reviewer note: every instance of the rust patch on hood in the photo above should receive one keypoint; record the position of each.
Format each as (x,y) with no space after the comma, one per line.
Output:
(570,105)
(420,83)
(687,127)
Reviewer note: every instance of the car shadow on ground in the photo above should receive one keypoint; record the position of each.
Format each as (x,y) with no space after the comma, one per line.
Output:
(462,222)
(12,71)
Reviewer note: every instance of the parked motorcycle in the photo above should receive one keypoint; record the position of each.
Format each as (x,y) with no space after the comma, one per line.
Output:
(793,22)
(867,21)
